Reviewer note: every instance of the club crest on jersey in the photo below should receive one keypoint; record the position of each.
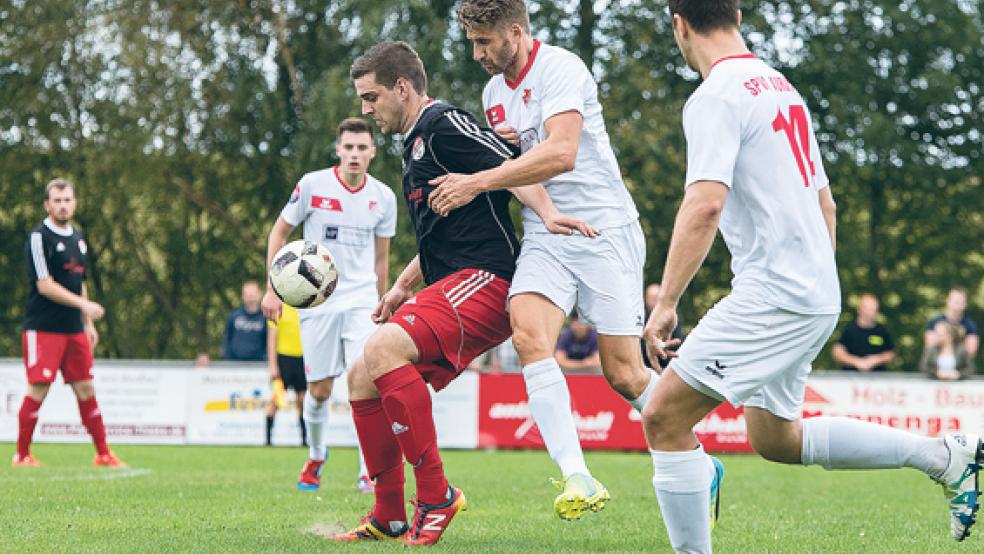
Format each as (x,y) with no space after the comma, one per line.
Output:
(527,94)
(296,195)
(496,115)
(60,247)
(373,205)
(82,247)
(325,203)
(418,148)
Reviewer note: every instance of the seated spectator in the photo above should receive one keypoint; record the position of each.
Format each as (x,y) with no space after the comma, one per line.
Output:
(652,295)
(577,347)
(505,358)
(948,359)
(864,344)
(202,360)
(245,336)
(956,304)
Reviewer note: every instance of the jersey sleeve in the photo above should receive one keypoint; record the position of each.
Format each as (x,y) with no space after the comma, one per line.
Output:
(386,227)
(566,87)
(713,131)
(460,145)
(295,211)
(37,263)
(970,325)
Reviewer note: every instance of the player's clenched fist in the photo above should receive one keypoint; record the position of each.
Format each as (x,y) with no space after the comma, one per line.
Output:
(393,299)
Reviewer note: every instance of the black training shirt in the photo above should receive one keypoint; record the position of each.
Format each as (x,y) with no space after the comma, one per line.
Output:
(61,255)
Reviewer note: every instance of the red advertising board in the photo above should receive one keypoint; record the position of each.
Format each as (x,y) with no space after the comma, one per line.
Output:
(604,420)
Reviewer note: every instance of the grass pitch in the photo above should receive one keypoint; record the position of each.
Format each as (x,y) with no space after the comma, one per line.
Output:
(225,499)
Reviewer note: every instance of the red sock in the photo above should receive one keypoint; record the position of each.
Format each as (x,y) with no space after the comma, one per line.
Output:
(384,460)
(93,421)
(27,418)
(408,407)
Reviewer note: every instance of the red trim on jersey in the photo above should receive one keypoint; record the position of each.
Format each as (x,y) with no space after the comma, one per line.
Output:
(344,186)
(746,56)
(526,69)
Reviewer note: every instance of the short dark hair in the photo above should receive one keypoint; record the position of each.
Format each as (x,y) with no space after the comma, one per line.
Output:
(59,184)
(494,14)
(707,15)
(353,125)
(959,289)
(391,61)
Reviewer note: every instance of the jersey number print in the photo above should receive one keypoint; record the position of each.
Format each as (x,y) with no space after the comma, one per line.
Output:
(798,133)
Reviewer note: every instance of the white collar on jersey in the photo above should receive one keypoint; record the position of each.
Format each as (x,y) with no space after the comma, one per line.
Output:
(63,231)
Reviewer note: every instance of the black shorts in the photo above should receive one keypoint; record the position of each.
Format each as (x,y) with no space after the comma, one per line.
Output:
(292,372)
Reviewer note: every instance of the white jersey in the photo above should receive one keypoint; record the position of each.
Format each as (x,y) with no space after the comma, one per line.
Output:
(556,81)
(748,128)
(346,222)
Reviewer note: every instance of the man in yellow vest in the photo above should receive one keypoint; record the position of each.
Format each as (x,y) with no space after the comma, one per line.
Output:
(286,362)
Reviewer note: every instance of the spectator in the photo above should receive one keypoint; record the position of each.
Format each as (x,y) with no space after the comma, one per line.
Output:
(864,344)
(202,360)
(505,358)
(246,329)
(577,347)
(948,359)
(652,295)
(956,303)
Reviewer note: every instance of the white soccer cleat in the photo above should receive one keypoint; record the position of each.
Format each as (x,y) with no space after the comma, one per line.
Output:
(960,481)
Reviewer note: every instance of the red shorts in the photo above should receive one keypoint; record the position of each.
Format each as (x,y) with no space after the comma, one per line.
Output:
(46,353)
(453,321)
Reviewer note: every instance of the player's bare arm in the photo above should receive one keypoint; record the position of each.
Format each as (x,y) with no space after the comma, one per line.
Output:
(382,264)
(546,160)
(50,289)
(410,278)
(272,353)
(536,198)
(693,235)
(829,209)
(89,322)
(271,306)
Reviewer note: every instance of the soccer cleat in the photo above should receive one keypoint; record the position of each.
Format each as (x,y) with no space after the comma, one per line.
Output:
(310,478)
(716,490)
(108,460)
(580,494)
(961,484)
(369,530)
(366,485)
(430,521)
(24,461)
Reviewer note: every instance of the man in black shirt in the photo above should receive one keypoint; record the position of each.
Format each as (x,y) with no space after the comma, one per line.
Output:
(59,330)
(465,260)
(864,344)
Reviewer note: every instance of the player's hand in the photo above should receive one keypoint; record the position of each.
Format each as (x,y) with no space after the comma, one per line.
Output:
(271,305)
(92,310)
(657,334)
(453,191)
(393,299)
(508,134)
(560,224)
(93,334)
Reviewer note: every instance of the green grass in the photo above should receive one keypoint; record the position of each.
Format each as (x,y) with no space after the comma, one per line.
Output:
(224,499)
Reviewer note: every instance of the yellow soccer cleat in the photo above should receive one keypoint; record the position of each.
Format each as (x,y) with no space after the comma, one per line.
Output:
(579,494)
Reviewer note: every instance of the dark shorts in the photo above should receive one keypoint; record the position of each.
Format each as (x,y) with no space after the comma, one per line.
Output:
(47,353)
(453,321)
(292,372)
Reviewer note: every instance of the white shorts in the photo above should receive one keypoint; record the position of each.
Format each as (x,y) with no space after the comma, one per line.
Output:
(753,354)
(601,277)
(333,340)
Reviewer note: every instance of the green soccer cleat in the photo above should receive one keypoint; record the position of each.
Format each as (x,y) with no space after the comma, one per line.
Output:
(961,484)
(579,494)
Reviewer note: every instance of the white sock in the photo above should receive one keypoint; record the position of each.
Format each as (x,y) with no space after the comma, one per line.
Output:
(362,463)
(683,481)
(845,443)
(640,403)
(550,404)
(315,418)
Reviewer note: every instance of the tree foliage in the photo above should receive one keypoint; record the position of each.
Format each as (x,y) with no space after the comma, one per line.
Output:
(185,124)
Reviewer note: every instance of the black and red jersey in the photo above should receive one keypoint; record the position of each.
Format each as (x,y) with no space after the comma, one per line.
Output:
(60,254)
(478,235)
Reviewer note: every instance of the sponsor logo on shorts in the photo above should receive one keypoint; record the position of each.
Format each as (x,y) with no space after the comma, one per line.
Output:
(399,428)
(716,370)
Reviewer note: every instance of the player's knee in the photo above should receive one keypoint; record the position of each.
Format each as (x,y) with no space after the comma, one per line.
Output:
(657,423)
(775,449)
(624,384)
(531,344)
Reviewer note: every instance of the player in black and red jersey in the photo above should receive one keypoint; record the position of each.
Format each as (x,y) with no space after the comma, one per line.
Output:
(59,328)
(466,261)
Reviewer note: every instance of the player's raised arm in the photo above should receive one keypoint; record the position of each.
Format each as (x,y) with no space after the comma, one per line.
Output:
(271,304)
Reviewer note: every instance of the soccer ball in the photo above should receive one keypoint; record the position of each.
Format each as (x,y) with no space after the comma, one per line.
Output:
(303,274)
